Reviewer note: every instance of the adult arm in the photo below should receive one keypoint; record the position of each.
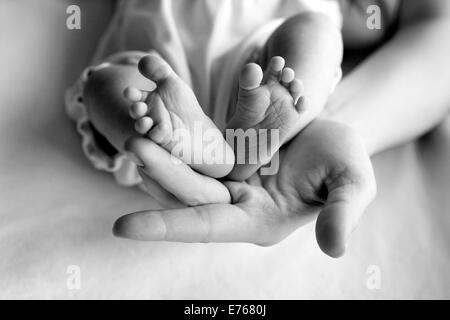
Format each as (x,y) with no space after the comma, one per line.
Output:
(402,89)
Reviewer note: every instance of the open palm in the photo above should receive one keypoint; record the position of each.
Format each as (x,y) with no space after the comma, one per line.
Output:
(323,171)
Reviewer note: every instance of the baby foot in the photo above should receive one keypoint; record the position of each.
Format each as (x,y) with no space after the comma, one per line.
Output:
(171,116)
(272,100)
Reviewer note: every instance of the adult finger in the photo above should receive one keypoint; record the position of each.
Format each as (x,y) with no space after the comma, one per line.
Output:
(214,222)
(207,223)
(344,207)
(175,176)
(160,195)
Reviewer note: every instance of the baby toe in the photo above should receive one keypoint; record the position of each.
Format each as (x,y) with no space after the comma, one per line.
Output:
(250,77)
(161,133)
(296,89)
(274,69)
(138,110)
(301,104)
(287,76)
(134,94)
(143,125)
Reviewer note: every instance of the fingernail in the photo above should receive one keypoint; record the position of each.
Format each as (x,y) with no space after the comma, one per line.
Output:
(116,230)
(134,158)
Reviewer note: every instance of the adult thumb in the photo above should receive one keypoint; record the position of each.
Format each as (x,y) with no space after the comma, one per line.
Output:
(343,209)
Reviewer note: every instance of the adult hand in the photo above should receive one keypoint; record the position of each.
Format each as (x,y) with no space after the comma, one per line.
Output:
(325,170)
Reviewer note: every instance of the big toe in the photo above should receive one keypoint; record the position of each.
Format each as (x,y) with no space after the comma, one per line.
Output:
(155,68)
(251,76)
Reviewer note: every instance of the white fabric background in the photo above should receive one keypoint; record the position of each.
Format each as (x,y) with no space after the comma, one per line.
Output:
(56,210)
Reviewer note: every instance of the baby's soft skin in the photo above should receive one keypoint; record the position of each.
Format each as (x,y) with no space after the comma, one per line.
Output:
(301,62)
(169,114)
(269,101)
(102,95)
(111,97)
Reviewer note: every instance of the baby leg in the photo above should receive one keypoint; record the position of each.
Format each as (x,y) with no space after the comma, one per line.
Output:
(301,64)
(311,45)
